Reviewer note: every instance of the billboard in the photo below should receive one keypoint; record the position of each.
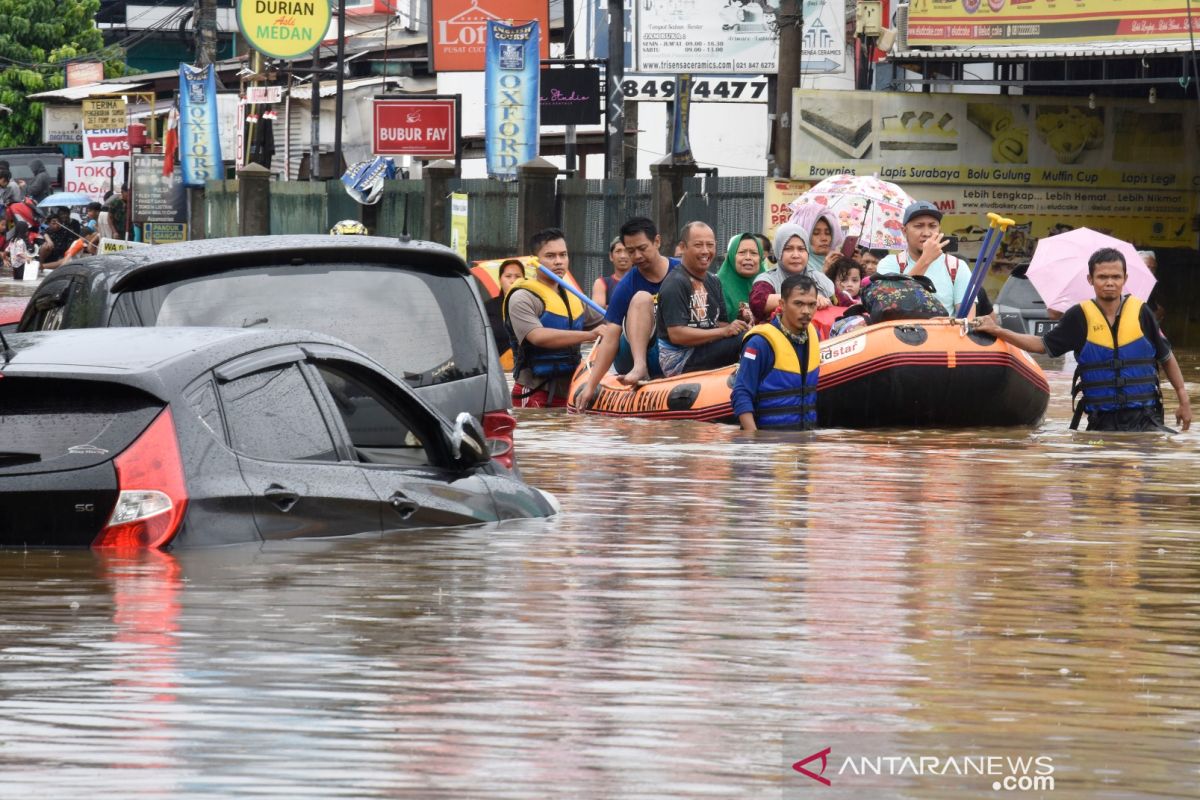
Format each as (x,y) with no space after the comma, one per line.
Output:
(284,28)
(1044,160)
(458,30)
(740,37)
(105,131)
(421,127)
(974,22)
(93,178)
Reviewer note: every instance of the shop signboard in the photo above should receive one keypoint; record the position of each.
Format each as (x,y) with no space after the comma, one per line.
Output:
(93,178)
(105,131)
(62,124)
(779,193)
(421,127)
(458,30)
(642,87)
(283,28)
(1050,162)
(975,22)
(740,37)
(570,96)
(84,73)
(156,198)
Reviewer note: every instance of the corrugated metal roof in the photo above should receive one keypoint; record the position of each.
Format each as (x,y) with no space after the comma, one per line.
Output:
(1048,51)
(83,92)
(329,86)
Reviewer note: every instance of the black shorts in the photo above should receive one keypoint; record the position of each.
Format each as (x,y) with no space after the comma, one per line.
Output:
(712,355)
(1138,420)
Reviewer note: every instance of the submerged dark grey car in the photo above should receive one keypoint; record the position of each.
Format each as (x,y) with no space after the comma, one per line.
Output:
(411,306)
(165,437)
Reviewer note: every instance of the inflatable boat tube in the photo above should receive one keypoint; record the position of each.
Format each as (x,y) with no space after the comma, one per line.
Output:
(910,373)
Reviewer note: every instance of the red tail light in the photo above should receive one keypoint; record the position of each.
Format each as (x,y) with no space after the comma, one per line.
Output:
(153,495)
(498,428)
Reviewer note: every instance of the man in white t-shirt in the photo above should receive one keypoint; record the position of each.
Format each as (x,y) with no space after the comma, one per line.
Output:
(923,233)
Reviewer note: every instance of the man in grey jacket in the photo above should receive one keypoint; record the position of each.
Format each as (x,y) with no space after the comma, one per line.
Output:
(39,187)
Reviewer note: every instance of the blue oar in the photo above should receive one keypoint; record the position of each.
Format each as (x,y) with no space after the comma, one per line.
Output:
(987,253)
(587,301)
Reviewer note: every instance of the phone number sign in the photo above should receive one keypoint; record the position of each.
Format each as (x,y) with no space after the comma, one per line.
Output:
(642,87)
(425,128)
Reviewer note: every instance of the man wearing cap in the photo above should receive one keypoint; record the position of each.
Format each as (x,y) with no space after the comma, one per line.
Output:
(924,256)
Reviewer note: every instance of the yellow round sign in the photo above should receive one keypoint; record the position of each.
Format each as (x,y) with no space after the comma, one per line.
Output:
(284,28)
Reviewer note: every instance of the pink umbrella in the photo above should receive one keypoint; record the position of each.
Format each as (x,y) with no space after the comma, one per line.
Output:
(1059,268)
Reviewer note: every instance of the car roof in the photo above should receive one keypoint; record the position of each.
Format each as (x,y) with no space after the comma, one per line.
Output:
(143,266)
(147,352)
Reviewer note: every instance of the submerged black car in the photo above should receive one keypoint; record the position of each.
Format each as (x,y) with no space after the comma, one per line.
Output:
(411,306)
(132,437)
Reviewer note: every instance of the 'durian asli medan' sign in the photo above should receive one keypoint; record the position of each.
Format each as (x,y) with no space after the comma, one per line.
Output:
(283,28)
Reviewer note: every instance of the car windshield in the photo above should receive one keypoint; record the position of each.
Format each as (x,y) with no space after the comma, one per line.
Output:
(423,327)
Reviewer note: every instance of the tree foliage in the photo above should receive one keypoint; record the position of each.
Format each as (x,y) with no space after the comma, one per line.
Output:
(37,39)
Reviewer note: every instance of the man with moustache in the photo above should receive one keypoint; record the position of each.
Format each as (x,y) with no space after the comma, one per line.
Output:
(692,326)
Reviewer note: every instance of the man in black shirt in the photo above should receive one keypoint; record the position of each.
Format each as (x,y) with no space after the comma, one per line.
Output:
(1118,346)
(691,326)
(59,237)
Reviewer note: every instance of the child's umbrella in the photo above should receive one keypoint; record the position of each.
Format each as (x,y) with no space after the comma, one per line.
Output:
(987,253)
(587,301)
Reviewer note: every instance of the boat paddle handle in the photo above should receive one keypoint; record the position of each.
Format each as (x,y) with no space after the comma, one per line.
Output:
(997,227)
(587,301)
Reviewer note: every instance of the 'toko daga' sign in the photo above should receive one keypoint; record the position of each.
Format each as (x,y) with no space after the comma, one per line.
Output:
(283,28)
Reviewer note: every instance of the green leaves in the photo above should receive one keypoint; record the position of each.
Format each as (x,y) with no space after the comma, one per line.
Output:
(37,38)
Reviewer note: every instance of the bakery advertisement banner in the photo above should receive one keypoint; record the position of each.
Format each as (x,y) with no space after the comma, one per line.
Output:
(1052,158)
(974,22)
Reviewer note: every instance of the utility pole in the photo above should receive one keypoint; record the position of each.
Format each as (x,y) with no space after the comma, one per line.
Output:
(568,54)
(205,29)
(314,152)
(791,42)
(614,162)
(341,75)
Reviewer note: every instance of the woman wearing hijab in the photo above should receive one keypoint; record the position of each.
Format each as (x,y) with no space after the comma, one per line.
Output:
(791,247)
(825,234)
(743,262)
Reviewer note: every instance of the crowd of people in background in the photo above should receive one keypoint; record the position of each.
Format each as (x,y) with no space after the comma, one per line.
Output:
(50,235)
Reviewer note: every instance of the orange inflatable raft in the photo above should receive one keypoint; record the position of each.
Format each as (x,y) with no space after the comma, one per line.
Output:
(907,373)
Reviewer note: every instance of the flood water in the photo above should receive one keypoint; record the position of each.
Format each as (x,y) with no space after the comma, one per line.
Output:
(705,598)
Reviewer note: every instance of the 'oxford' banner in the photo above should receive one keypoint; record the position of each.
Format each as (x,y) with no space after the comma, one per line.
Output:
(199,137)
(511,96)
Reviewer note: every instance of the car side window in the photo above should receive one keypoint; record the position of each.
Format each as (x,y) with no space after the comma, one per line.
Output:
(203,400)
(379,431)
(50,306)
(273,415)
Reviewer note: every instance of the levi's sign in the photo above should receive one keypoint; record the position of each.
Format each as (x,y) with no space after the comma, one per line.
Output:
(425,128)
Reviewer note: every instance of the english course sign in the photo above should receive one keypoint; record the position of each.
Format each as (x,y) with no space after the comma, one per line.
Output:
(283,28)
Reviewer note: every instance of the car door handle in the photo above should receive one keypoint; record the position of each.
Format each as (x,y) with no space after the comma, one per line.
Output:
(404,506)
(283,498)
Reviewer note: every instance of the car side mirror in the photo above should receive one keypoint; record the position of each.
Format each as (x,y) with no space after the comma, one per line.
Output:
(468,444)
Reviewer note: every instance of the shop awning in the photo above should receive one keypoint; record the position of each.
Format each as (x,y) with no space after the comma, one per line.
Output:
(1045,51)
(84,92)
(329,86)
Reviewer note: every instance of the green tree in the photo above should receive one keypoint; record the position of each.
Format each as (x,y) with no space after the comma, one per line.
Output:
(37,39)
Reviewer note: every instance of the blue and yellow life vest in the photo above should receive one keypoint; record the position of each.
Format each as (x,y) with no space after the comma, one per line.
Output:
(563,312)
(1117,369)
(787,395)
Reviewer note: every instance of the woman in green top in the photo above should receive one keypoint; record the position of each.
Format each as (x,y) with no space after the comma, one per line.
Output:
(743,261)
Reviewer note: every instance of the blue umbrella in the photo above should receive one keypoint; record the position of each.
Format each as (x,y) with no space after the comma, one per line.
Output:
(65,199)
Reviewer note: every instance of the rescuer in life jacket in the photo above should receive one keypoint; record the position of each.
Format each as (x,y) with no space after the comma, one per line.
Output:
(1118,346)
(776,384)
(547,325)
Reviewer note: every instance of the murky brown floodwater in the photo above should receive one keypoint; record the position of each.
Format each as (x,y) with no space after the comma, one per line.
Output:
(703,596)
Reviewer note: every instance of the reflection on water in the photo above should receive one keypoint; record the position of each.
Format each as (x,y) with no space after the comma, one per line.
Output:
(705,595)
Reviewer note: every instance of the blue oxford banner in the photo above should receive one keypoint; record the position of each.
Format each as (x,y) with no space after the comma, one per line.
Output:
(199,138)
(511,97)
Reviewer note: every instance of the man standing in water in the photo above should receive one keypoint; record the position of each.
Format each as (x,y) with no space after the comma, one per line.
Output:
(776,384)
(1118,347)
(547,325)
(634,351)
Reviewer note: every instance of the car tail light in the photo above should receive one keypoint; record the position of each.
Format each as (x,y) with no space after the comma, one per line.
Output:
(498,427)
(152,495)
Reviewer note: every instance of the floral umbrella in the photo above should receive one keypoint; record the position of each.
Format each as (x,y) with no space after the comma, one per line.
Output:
(877,225)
